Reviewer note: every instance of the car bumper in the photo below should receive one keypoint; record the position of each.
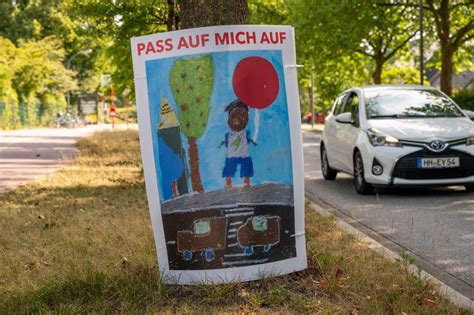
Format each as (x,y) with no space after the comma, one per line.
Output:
(434,182)
(392,157)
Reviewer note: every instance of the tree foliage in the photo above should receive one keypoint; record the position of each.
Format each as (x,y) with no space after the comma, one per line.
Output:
(7,55)
(31,75)
(333,29)
(453,33)
(113,23)
(34,80)
(8,96)
(44,76)
(34,20)
(454,24)
(343,43)
(271,12)
(191,82)
(333,66)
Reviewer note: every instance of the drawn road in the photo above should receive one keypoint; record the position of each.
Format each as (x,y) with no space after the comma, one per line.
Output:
(435,226)
(238,207)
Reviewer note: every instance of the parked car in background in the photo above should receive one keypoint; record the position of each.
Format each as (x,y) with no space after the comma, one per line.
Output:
(398,135)
(317,119)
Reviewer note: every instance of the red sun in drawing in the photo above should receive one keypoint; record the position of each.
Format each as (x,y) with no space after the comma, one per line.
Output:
(255,82)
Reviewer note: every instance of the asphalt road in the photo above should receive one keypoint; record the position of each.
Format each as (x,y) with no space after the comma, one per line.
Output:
(435,226)
(29,154)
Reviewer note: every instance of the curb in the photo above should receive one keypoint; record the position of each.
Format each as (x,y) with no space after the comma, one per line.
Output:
(445,290)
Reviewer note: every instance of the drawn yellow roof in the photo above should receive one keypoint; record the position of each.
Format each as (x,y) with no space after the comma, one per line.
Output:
(167,116)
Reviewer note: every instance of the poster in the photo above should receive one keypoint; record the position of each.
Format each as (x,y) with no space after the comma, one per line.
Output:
(219,123)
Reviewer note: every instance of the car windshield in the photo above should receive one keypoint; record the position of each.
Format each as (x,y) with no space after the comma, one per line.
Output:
(390,104)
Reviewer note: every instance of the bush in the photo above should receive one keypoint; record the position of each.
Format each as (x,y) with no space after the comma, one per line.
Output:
(15,115)
(465,99)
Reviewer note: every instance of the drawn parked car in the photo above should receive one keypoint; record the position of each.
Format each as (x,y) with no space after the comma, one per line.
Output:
(259,231)
(207,236)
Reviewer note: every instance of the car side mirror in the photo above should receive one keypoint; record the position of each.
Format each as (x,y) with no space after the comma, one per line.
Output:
(469,114)
(344,118)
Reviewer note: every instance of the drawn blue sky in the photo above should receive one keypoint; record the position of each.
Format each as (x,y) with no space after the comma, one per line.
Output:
(272,155)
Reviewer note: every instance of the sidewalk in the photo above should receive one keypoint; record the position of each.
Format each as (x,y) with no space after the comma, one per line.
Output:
(29,154)
(317,127)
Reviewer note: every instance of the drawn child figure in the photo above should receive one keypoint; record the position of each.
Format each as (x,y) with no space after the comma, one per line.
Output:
(236,141)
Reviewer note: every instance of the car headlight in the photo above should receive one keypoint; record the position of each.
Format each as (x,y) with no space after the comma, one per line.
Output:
(380,140)
(470,139)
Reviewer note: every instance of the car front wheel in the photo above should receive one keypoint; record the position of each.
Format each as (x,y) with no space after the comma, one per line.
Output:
(328,172)
(469,188)
(361,186)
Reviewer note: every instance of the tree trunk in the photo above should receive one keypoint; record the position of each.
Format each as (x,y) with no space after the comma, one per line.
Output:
(172,22)
(447,51)
(377,74)
(447,69)
(194,164)
(197,13)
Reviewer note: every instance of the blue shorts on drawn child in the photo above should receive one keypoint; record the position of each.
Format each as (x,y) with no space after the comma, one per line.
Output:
(246,166)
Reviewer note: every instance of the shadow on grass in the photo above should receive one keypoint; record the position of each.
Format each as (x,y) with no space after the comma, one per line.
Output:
(118,188)
(95,291)
(103,223)
(139,289)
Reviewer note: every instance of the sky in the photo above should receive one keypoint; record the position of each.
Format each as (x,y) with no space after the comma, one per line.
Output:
(272,154)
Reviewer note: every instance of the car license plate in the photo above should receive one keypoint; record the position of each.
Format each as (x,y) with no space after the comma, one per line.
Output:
(444,162)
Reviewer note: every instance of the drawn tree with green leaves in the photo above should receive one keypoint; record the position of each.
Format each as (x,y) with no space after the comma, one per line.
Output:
(191,82)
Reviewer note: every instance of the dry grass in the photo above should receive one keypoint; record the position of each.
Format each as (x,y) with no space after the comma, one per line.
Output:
(81,241)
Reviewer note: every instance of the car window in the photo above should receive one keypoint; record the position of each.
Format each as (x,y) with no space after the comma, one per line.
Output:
(339,104)
(202,227)
(405,103)
(260,223)
(352,105)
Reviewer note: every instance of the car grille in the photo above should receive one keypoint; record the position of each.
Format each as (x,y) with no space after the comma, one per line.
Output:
(407,166)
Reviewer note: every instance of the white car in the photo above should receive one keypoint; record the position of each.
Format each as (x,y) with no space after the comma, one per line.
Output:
(469,113)
(398,135)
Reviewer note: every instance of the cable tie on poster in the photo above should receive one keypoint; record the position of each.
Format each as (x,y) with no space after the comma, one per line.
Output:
(294,66)
(139,78)
(298,234)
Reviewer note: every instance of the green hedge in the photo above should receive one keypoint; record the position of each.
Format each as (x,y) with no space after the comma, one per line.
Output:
(22,115)
(465,99)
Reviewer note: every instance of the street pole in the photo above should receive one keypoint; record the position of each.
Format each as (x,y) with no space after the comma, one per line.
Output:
(68,96)
(112,105)
(68,66)
(127,108)
(311,97)
(420,7)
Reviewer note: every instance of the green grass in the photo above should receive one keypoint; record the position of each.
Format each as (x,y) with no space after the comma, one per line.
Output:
(81,241)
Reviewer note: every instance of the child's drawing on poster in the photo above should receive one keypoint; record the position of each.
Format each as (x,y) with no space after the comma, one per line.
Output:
(223,162)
